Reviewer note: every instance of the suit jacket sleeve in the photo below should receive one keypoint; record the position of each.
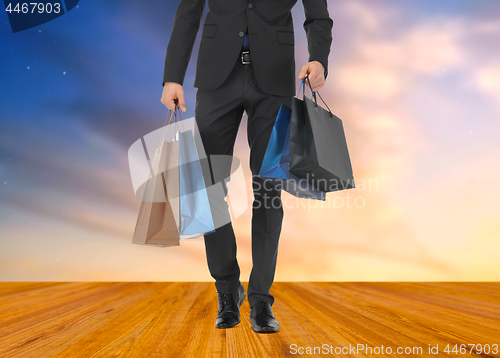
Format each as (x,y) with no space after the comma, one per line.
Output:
(186,24)
(318,26)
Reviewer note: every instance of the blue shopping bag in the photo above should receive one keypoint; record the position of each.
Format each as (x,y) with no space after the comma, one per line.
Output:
(195,213)
(273,166)
(275,163)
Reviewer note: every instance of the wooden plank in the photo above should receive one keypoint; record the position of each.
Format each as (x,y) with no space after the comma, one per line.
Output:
(177,319)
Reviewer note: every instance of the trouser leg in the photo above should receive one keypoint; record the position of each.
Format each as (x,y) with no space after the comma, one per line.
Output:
(267,217)
(218,115)
(267,208)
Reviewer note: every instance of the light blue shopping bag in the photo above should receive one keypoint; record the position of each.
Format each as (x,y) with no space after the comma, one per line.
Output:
(195,213)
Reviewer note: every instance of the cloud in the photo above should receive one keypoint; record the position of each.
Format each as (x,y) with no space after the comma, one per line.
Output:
(373,81)
(368,17)
(424,49)
(488,80)
(383,66)
(487,27)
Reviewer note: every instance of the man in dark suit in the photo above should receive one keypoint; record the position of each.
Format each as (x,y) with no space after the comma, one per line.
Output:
(246,62)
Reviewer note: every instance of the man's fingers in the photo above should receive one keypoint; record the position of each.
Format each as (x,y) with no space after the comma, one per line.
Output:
(173,96)
(316,77)
(168,100)
(313,82)
(316,82)
(170,103)
(179,96)
(181,103)
(303,72)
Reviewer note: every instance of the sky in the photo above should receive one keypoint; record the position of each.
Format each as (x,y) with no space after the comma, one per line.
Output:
(416,84)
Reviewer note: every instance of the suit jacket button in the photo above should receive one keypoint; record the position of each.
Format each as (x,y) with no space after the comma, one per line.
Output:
(250,6)
(241,34)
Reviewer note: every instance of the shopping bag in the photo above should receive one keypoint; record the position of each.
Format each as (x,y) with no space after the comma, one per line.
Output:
(156,223)
(274,166)
(195,213)
(318,146)
(157,182)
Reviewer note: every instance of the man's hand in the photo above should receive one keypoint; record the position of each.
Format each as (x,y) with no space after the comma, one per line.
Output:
(173,91)
(316,74)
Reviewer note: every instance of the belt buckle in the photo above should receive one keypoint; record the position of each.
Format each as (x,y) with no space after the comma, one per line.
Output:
(242,57)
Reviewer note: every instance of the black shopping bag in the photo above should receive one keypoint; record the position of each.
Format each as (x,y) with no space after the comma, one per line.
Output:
(318,146)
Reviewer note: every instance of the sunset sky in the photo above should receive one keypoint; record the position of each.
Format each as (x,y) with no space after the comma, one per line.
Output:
(416,83)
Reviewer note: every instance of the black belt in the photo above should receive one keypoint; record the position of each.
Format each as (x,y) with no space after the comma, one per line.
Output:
(245,57)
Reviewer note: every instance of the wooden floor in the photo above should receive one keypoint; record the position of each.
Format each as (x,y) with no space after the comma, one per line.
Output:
(177,319)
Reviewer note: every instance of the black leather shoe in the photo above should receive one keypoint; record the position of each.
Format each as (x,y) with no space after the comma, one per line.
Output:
(262,318)
(229,309)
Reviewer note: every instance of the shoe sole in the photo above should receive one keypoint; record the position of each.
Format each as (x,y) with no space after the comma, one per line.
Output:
(227,325)
(265,330)
(239,305)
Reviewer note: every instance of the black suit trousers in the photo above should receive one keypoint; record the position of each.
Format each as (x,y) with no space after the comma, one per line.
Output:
(218,114)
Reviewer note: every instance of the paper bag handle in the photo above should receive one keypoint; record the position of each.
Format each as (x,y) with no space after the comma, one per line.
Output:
(313,93)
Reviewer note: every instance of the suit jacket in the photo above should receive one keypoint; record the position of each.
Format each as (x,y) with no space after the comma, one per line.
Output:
(271,39)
